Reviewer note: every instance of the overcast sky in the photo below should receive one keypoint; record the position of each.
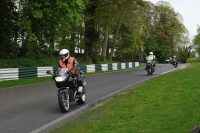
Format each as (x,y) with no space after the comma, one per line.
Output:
(189,10)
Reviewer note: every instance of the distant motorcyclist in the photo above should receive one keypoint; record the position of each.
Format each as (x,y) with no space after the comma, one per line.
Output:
(170,60)
(174,58)
(152,58)
(67,61)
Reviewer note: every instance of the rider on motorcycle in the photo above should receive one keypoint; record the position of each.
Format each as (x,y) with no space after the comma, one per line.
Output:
(152,58)
(172,60)
(71,63)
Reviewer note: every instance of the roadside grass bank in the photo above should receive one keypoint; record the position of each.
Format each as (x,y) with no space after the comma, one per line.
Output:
(166,104)
(25,81)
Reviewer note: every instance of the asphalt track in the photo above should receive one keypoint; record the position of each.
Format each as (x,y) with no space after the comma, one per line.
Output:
(34,108)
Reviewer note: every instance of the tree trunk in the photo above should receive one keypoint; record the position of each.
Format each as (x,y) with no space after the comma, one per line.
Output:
(89,43)
(73,42)
(107,50)
(115,37)
(52,44)
(105,42)
(24,48)
(91,35)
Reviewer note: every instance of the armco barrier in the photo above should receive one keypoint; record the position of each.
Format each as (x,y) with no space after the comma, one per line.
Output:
(31,72)
(9,74)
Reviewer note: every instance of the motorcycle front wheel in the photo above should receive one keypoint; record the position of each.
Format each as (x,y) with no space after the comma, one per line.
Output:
(148,72)
(176,65)
(63,100)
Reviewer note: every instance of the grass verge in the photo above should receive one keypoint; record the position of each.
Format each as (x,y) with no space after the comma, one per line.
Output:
(166,104)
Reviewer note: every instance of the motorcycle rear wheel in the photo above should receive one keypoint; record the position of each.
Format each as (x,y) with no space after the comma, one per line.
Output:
(82,97)
(63,100)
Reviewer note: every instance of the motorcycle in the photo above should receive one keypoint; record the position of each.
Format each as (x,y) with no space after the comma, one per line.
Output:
(174,63)
(68,89)
(149,67)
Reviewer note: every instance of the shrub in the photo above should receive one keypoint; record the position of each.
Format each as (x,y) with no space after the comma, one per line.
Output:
(191,60)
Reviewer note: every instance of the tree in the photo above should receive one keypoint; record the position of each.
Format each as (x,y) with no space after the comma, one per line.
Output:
(42,20)
(91,34)
(126,11)
(196,40)
(166,30)
(8,29)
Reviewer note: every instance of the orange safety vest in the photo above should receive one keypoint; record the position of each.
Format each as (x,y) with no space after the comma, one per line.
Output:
(69,64)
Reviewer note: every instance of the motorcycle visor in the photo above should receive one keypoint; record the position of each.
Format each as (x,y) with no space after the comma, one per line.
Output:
(62,57)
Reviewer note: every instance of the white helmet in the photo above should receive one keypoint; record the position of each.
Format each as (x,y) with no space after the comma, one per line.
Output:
(64,52)
(174,56)
(151,53)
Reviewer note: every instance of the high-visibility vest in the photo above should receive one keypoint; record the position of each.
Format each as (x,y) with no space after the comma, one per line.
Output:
(150,57)
(69,64)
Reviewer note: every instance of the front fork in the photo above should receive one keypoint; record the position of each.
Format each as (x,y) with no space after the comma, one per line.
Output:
(72,92)
(65,91)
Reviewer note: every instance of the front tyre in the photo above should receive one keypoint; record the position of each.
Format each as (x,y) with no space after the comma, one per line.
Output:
(63,100)
(176,65)
(148,71)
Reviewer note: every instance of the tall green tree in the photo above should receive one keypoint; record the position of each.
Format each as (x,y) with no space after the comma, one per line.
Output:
(42,20)
(8,29)
(125,11)
(91,33)
(196,40)
(166,31)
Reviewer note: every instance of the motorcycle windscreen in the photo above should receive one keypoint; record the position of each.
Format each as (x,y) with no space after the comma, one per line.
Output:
(61,74)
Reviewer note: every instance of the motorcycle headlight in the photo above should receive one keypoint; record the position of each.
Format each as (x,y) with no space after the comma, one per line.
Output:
(60,79)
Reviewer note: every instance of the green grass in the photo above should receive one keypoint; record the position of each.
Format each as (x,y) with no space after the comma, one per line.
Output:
(166,104)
